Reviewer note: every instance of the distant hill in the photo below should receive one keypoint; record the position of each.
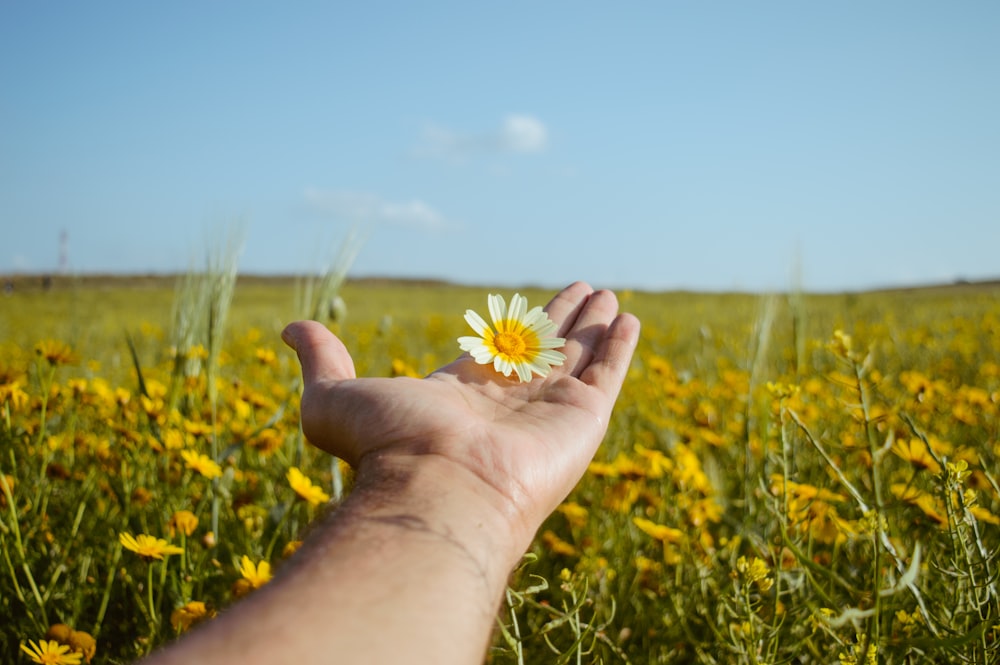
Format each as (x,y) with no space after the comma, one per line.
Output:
(42,282)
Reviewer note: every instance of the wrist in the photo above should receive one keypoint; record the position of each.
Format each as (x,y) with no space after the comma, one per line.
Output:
(442,497)
(417,550)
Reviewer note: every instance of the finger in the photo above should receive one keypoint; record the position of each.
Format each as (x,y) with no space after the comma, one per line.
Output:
(609,365)
(322,355)
(589,329)
(566,306)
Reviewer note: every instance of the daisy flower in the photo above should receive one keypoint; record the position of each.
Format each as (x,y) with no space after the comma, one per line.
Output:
(519,340)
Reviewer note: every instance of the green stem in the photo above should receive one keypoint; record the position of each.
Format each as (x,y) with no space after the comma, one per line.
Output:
(289,507)
(149,595)
(876,520)
(106,598)
(14,526)
(45,386)
(35,592)
(13,572)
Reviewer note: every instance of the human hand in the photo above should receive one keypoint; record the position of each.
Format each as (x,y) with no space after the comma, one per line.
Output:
(523,446)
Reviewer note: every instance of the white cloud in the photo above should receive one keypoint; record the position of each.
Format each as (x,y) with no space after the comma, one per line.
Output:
(367,208)
(524,133)
(518,133)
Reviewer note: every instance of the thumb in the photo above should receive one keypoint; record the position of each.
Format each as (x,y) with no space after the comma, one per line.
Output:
(322,355)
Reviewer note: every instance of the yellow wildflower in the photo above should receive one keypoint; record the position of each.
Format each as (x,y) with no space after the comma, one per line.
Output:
(189,614)
(55,352)
(12,393)
(958,471)
(557,545)
(184,521)
(402,368)
(704,510)
(79,641)
(6,485)
(267,441)
(197,428)
(915,452)
(266,357)
(626,467)
(782,390)
(148,547)
(173,439)
(253,577)
(575,514)
(304,487)
(622,496)
(203,464)
(50,652)
(291,548)
(657,462)
(602,470)
(660,532)
(928,504)
(668,536)
(755,571)
(841,344)
(242,409)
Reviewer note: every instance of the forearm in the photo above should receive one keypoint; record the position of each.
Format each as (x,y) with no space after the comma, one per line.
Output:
(411,569)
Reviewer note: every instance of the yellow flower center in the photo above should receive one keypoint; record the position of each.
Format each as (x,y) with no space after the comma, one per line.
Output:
(509,344)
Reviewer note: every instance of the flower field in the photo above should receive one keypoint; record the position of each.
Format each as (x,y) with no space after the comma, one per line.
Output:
(786,479)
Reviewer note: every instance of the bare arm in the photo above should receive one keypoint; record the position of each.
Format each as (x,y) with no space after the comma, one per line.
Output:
(455,473)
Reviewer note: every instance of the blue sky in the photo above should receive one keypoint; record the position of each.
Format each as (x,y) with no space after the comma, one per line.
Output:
(659,145)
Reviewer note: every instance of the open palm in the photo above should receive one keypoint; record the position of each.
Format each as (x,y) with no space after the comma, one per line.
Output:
(528,442)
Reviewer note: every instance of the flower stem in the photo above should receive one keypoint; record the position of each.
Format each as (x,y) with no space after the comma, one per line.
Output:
(149,593)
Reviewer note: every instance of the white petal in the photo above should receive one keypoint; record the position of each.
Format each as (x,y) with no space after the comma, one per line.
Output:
(476,321)
(540,369)
(523,372)
(551,357)
(498,308)
(533,318)
(502,365)
(470,343)
(551,343)
(544,328)
(518,306)
(481,355)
